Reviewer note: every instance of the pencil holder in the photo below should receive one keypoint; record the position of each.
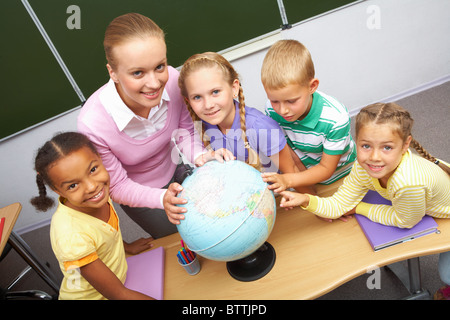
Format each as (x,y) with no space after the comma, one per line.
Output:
(192,267)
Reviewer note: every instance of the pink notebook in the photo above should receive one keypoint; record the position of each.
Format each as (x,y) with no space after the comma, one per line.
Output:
(146,273)
(381,236)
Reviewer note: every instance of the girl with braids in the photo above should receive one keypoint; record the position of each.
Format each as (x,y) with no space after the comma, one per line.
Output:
(215,99)
(415,185)
(84,232)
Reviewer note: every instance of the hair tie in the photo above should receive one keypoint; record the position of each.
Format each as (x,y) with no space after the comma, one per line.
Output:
(436,162)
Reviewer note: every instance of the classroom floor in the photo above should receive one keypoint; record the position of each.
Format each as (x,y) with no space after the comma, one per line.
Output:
(431,112)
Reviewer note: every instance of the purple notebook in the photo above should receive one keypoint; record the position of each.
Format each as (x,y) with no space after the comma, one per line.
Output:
(146,273)
(381,236)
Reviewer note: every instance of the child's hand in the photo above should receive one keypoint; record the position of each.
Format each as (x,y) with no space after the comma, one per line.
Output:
(277,182)
(293,199)
(138,246)
(219,155)
(170,201)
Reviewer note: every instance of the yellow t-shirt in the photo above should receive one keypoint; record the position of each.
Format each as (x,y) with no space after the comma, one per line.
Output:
(78,239)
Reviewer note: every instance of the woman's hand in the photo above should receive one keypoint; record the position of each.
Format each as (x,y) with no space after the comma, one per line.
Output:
(170,201)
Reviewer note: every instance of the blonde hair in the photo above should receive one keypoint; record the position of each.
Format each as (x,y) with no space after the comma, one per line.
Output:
(287,62)
(211,60)
(401,123)
(126,27)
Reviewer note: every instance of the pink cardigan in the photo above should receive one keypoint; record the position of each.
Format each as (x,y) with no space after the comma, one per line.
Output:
(140,168)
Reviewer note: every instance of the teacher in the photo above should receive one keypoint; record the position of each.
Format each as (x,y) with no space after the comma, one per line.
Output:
(138,123)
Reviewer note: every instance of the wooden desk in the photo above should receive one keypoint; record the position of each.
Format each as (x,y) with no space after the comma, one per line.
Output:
(313,257)
(11,213)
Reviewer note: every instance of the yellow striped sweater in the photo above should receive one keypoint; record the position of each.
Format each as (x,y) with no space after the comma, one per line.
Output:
(416,188)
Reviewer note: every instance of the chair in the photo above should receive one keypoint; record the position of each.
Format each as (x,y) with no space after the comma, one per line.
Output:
(15,242)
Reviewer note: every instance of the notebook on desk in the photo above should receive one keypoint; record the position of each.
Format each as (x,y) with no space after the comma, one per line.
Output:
(381,236)
(146,273)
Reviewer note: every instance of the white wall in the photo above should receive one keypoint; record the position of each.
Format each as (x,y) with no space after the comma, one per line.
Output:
(18,178)
(359,65)
(355,64)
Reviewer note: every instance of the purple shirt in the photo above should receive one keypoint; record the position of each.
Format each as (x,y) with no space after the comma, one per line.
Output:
(263,134)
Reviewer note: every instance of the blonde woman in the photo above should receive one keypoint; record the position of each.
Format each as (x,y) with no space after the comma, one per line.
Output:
(133,119)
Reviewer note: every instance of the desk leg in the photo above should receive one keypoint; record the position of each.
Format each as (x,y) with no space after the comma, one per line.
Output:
(27,254)
(410,278)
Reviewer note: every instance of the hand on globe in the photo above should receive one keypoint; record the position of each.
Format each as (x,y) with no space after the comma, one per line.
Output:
(293,199)
(219,155)
(277,182)
(170,202)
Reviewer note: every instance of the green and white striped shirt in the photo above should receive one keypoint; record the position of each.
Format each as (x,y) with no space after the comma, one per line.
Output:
(326,129)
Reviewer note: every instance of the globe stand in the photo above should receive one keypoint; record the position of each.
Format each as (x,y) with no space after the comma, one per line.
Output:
(254,266)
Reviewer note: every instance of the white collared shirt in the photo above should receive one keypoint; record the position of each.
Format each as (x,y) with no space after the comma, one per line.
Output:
(126,120)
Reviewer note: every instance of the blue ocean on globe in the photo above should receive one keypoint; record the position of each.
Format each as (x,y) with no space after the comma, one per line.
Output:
(230,210)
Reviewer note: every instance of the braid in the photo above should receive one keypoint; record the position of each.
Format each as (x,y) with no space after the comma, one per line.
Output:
(253,158)
(42,202)
(421,150)
(425,154)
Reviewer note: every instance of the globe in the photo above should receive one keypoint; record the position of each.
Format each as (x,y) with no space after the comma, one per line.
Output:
(230,214)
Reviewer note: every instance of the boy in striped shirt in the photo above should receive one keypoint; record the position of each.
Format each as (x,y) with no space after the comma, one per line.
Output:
(317,126)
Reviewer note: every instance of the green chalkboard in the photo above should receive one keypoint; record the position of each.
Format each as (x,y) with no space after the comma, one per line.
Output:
(34,86)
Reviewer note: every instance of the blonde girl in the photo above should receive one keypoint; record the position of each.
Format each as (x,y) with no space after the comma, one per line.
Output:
(215,99)
(84,232)
(415,185)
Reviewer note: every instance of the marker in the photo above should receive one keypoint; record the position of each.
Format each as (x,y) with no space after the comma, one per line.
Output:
(2,224)
(184,256)
(187,249)
(181,258)
(190,254)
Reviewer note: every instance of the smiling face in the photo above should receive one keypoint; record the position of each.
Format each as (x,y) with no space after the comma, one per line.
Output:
(211,96)
(380,150)
(293,101)
(141,73)
(81,178)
